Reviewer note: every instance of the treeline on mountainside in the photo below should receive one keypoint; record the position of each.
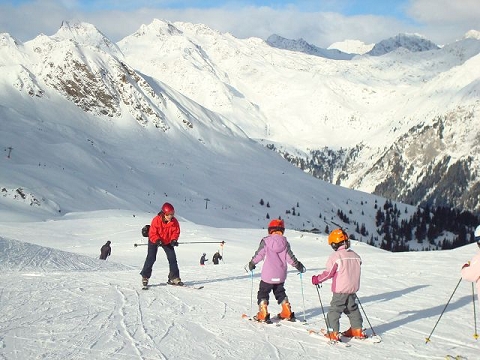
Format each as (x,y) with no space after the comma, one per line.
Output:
(425,224)
(436,228)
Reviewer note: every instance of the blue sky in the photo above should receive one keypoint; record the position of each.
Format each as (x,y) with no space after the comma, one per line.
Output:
(320,22)
(347,7)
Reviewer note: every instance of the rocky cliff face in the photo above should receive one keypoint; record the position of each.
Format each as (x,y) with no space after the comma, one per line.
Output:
(435,164)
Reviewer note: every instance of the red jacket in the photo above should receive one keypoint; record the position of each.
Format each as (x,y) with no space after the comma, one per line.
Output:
(163,231)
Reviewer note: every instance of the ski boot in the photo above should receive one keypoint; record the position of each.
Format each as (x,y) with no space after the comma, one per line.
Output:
(175,281)
(286,313)
(355,333)
(333,335)
(145,283)
(262,315)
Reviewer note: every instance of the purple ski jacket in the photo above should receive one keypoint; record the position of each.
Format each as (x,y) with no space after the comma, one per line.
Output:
(275,251)
(344,267)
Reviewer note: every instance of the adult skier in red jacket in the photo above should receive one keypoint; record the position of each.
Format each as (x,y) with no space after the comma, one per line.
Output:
(164,232)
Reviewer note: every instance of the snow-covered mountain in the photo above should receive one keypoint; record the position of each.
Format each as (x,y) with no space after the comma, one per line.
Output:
(411,42)
(309,105)
(352,46)
(82,130)
(172,110)
(473,34)
(304,47)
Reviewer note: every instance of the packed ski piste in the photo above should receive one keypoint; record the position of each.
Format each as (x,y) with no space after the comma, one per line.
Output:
(73,305)
(343,268)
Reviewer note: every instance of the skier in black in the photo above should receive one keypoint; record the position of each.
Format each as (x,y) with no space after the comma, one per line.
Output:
(105,251)
(203,259)
(216,258)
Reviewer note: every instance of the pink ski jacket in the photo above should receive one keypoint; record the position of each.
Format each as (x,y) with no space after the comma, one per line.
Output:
(275,250)
(472,272)
(344,267)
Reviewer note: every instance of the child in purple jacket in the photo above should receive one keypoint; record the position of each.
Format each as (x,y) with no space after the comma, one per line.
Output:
(275,251)
(343,267)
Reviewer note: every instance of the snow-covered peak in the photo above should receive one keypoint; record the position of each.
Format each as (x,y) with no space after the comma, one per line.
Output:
(411,42)
(162,30)
(7,40)
(352,46)
(472,34)
(86,34)
(11,50)
(301,45)
(158,28)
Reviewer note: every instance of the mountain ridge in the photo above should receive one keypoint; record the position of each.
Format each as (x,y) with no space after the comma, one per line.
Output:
(194,80)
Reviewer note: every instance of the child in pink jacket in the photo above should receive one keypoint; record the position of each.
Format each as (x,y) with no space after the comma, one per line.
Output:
(343,267)
(471,270)
(275,252)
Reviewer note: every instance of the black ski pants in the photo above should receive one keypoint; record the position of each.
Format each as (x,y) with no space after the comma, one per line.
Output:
(152,257)
(264,291)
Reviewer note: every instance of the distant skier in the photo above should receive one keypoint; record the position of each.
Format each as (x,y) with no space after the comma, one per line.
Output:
(203,259)
(216,258)
(344,267)
(471,270)
(105,251)
(275,251)
(164,231)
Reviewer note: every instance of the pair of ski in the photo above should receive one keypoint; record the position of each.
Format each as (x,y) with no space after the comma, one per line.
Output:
(186,286)
(346,342)
(276,320)
(315,333)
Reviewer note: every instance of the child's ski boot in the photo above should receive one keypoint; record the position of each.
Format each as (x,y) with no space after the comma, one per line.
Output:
(262,315)
(286,313)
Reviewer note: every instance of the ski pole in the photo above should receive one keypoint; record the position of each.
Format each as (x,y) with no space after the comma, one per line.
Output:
(303,296)
(448,302)
(191,242)
(475,335)
(221,245)
(366,317)
(323,311)
(251,293)
(202,242)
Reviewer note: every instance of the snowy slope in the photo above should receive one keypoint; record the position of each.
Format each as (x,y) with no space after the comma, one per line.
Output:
(303,103)
(68,309)
(196,82)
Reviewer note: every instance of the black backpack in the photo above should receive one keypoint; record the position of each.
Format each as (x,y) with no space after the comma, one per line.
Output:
(145,230)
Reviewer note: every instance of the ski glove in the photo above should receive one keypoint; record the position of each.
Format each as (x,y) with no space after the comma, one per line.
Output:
(174,242)
(251,266)
(300,267)
(315,280)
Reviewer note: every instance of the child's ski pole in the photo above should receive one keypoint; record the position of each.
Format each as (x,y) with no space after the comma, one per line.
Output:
(448,302)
